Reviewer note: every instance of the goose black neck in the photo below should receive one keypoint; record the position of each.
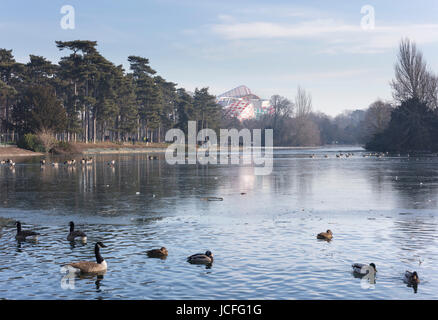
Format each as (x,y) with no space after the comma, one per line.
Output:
(72,227)
(18,227)
(99,258)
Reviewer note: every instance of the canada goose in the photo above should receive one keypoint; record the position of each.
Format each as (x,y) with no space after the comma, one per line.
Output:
(325,235)
(92,267)
(11,164)
(83,161)
(112,163)
(157,253)
(75,233)
(200,258)
(411,278)
(23,235)
(42,162)
(357,268)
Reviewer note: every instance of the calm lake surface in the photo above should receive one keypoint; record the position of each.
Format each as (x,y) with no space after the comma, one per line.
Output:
(381,210)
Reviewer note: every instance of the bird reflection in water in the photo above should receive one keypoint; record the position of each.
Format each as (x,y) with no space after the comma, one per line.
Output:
(92,276)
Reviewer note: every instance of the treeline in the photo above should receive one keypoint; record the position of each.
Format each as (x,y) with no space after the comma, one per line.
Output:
(87,98)
(409,123)
(413,125)
(296,124)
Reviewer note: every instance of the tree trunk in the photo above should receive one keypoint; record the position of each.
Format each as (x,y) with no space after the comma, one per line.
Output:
(94,129)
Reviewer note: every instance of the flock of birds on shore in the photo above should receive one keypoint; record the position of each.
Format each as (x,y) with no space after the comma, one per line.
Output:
(100,266)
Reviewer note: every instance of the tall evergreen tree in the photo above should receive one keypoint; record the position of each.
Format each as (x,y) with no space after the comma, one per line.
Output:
(149,96)
(126,123)
(11,77)
(184,109)
(413,127)
(206,111)
(77,68)
(39,110)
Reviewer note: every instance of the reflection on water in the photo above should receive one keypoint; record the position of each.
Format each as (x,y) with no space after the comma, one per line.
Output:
(263,233)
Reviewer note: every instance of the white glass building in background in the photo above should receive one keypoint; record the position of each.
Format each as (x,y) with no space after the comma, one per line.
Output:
(241,103)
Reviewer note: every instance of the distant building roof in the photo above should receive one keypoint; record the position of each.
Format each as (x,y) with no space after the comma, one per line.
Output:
(241,103)
(238,92)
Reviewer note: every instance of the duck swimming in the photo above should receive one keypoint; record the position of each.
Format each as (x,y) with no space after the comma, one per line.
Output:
(411,278)
(201,258)
(157,253)
(325,235)
(75,233)
(99,266)
(357,268)
(24,235)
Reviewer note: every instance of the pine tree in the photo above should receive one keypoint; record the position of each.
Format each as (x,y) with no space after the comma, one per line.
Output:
(149,96)
(39,110)
(184,108)
(11,77)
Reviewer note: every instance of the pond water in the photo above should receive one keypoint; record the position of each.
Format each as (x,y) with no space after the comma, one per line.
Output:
(262,235)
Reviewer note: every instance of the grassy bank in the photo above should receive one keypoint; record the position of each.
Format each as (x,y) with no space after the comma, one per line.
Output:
(10,152)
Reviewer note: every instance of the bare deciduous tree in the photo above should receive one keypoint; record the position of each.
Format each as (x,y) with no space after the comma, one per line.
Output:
(412,77)
(305,131)
(377,118)
(281,106)
(303,104)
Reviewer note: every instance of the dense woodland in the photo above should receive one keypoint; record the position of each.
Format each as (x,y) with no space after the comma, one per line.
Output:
(85,97)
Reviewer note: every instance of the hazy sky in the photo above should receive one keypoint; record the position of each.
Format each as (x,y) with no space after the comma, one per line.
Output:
(270,46)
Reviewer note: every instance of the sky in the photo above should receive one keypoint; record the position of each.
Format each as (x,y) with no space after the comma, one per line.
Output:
(270,46)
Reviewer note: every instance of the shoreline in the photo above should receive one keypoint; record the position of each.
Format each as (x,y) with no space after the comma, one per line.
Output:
(97,151)
(107,148)
(14,151)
